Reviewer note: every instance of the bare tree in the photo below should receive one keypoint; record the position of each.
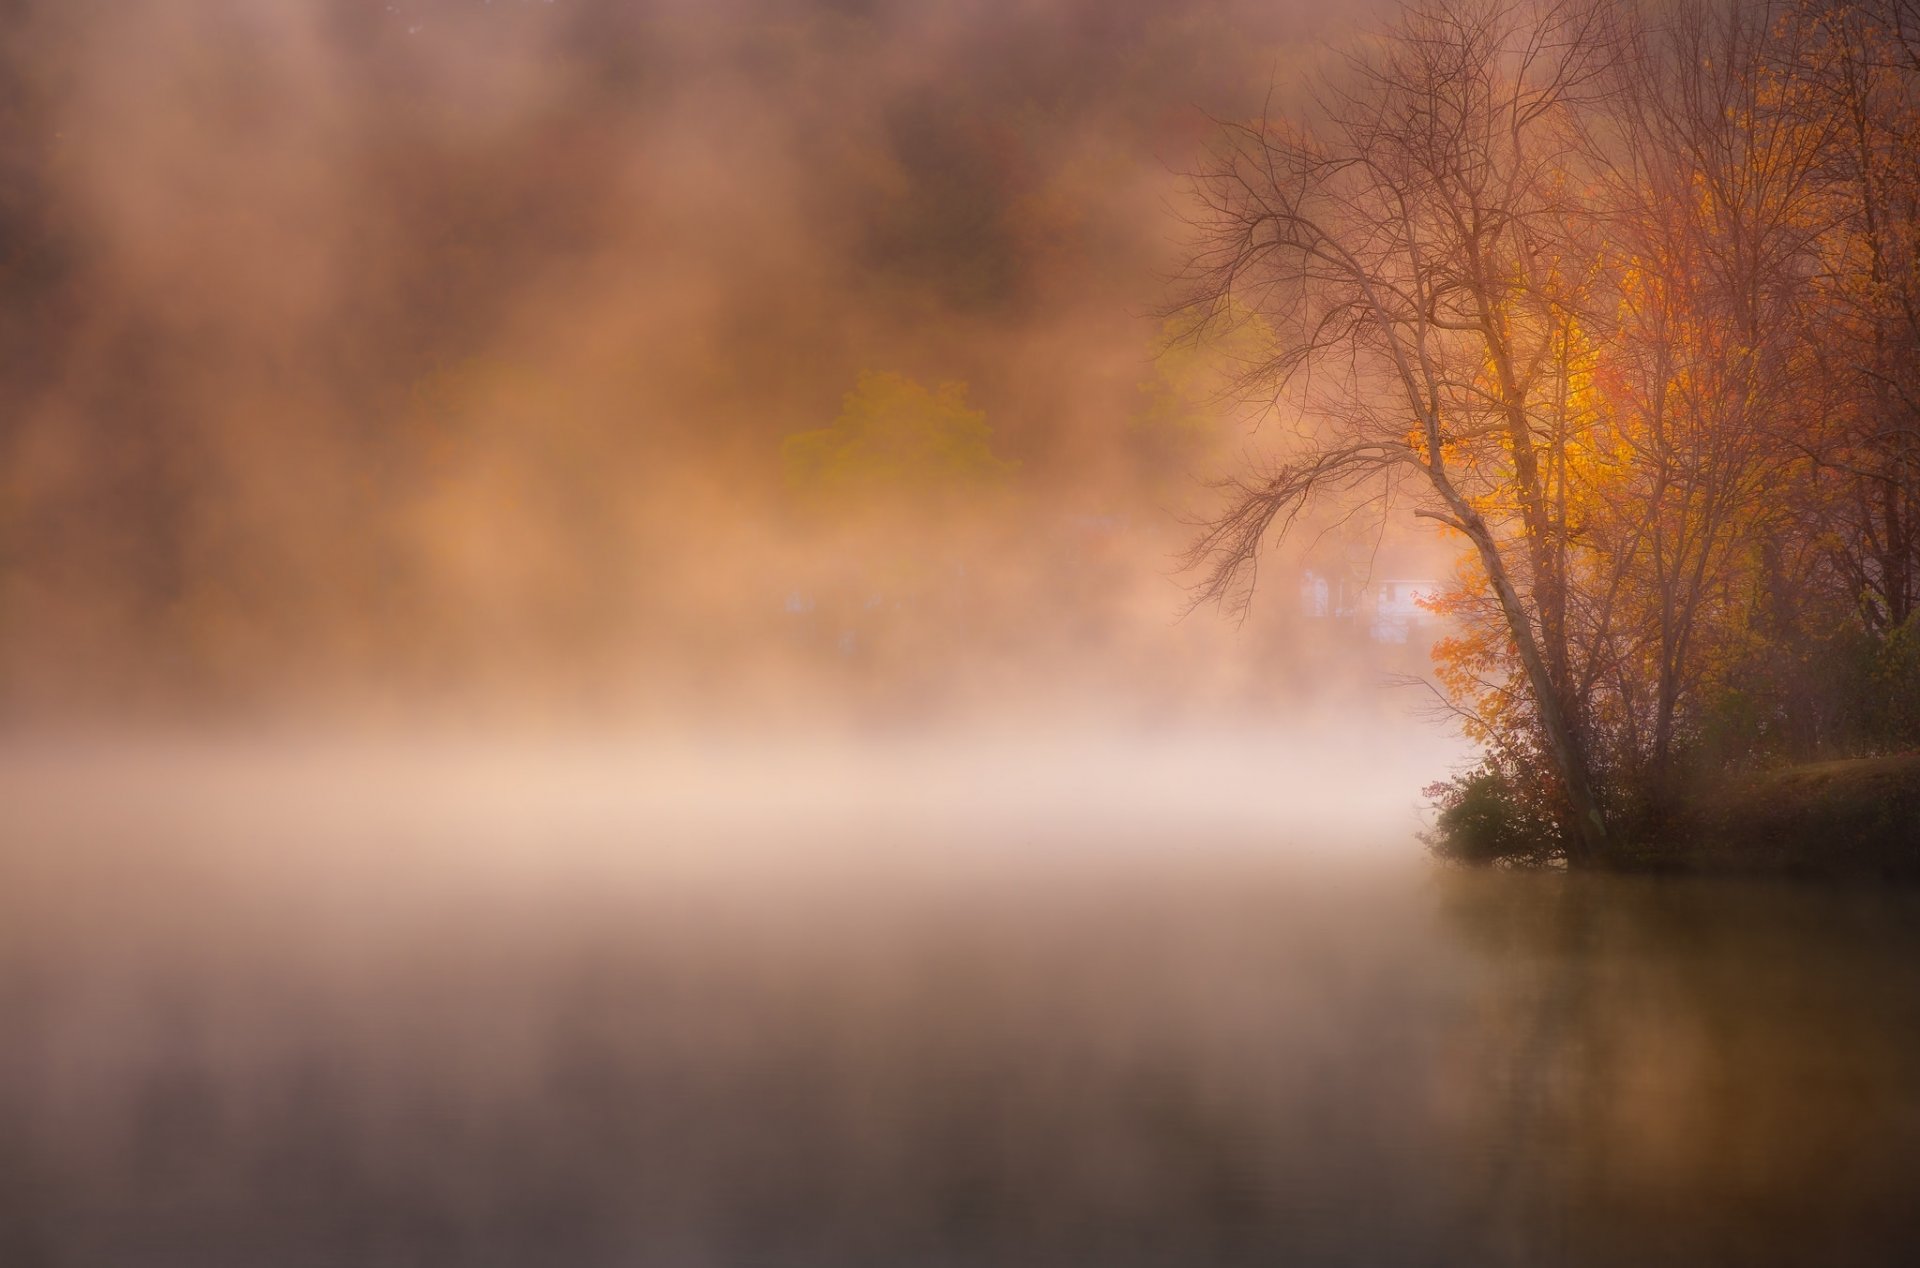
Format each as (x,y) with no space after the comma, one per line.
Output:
(1417,247)
(1857,71)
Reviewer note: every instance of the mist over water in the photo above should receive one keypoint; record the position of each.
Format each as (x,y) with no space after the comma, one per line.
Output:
(1001,998)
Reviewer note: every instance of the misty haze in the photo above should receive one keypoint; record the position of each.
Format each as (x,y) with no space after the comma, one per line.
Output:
(884,632)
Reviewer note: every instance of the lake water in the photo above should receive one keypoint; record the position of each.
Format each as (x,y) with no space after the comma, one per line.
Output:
(684,1009)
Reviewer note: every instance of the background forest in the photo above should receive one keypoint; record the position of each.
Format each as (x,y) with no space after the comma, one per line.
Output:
(442,352)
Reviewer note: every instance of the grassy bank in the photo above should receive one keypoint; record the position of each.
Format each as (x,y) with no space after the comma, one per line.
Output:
(1850,820)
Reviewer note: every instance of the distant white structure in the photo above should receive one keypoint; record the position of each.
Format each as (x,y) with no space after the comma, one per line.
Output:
(1313,594)
(1391,610)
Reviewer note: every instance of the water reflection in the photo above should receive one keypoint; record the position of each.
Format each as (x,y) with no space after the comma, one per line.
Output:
(1196,1053)
(1701,1072)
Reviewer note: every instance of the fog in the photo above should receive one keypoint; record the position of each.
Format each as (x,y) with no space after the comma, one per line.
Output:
(433,355)
(596,668)
(957,1002)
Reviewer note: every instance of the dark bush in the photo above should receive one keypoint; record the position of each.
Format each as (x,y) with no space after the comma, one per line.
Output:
(1491,816)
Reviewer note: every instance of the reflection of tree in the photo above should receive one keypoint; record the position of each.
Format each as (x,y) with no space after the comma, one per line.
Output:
(1667,1072)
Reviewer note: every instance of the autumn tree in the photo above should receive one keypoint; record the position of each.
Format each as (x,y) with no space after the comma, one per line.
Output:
(1706,171)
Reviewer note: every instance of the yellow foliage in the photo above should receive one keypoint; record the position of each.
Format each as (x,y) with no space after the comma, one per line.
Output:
(895,438)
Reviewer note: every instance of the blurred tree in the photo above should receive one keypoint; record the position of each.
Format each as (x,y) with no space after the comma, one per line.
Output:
(895,500)
(1195,387)
(1849,76)
(1705,378)
(896,441)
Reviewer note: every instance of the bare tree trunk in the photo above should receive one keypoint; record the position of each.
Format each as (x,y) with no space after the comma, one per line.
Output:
(1588,840)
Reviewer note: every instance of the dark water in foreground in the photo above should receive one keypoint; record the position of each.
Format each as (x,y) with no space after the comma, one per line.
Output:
(1185,1047)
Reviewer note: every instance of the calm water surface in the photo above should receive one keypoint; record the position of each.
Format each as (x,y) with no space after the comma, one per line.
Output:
(259,1023)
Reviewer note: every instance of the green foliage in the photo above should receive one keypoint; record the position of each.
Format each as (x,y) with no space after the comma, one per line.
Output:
(896,439)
